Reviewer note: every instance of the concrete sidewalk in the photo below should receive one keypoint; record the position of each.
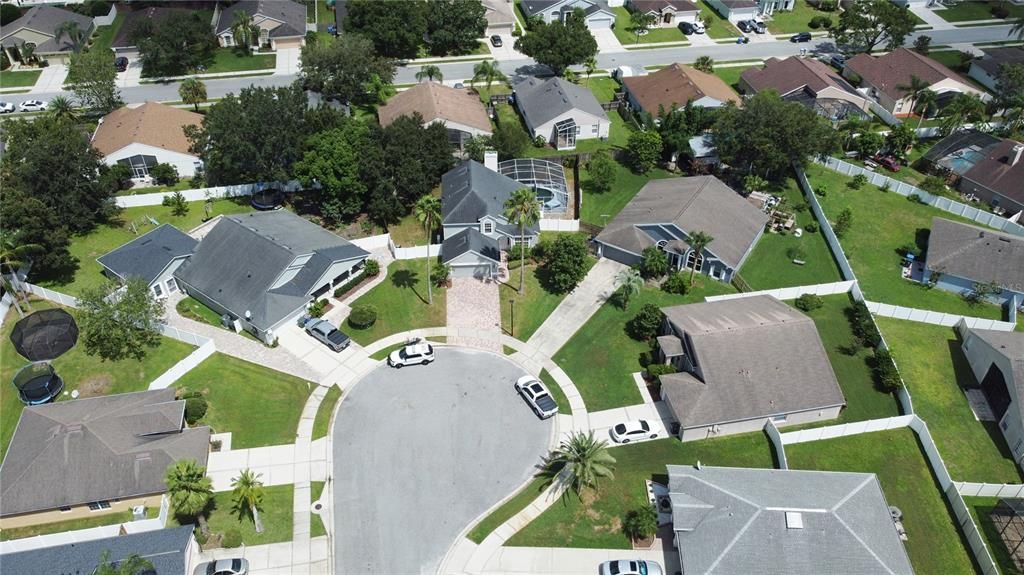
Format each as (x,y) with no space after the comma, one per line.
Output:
(51,79)
(577,307)
(930,17)
(278,464)
(563,561)
(310,557)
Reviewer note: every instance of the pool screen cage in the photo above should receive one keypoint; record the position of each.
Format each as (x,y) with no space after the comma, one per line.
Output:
(1008,519)
(565,134)
(37,383)
(547,179)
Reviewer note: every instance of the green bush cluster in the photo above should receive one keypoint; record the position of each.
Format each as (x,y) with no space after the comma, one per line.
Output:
(820,22)
(231,539)
(675,283)
(195,409)
(656,370)
(886,374)
(808,302)
(372,267)
(646,323)
(863,325)
(363,316)
(348,286)
(441,274)
(318,308)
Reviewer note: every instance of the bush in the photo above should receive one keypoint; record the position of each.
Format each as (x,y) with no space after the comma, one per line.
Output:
(1000,11)
(119,175)
(641,523)
(372,267)
(646,323)
(97,8)
(164,174)
(363,316)
(231,539)
(828,5)
(654,263)
(656,370)
(916,198)
(843,222)
(195,409)
(350,284)
(811,227)
(440,275)
(908,249)
(857,182)
(540,142)
(675,283)
(933,184)
(863,325)
(201,537)
(318,308)
(886,374)
(177,203)
(808,302)
(565,263)
(815,23)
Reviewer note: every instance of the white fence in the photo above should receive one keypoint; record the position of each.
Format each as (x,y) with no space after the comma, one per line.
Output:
(776,438)
(845,429)
(5,305)
(108,19)
(553,225)
(184,336)
(414,252)
(884,114)
(373,242)
(936,317)
(824,227)
(790,292)
(1001,490)
(197,194)
(184,366)
(61,298)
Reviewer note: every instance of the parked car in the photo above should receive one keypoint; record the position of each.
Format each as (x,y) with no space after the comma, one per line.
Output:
(121,63)
(537,395)
(838,61)
(698,27)
(329,335)
(223,567)
(758,26)
(417,353)
(744,26)
(496,41)
(888,162)
(627,567)
(32,106)
(6,107)
(689,28)
(800,37)
(630,430)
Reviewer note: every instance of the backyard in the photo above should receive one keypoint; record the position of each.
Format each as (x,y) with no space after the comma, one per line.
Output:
(104,35)
(596,520)
(401,302)
(796,20)
(237,390)
(731,74)
(936,374)
(977,10)
(532,307)
(981,509)
(276,515)
(935,544)
(600,207)
(627,36)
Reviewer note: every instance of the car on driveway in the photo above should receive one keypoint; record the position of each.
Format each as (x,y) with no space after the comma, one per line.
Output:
(627,567)
(758,26)
(418,353)
(630,430)
(223,567)
(121,63)
(329,335)
(888,162)
(744,26)
(537,395)
(690,28)
(32,106)
(6,107)
(496,41)
(800,37)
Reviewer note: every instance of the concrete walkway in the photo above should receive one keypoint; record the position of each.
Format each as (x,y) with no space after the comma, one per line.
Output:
(563,561)
(311,557)
(278,464)
(474,304)
(930,17)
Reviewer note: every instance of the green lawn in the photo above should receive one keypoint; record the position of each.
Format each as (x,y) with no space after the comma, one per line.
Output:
(104,35)
(949,58)
(792,21)
(88,374)
(62,526)
(384,353)
(618,137)
(603,87)
(276,515)
(771,265)
(556,392)
(20,79)
(605,379)
(106,238)
(936,373)
(195,310)
(981,509)
(232,60)
(977,10)
(532,307)
(257,405)
(596,522)
(731,74)
(600,207)
(324,14)
(182,184)
(719,27)
(401,302)
(626,35)
(882,223)
(322,423)
(409,231)
(502,514)
(935,544)
(316,523)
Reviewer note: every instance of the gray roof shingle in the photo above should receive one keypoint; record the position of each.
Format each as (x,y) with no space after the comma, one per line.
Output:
(469,240)
(292,16)
(46,20)
(470,191)
(149,254)
(976,253)
(541,101)
(166,549)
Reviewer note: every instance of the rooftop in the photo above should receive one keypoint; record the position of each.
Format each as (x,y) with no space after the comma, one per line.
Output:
(148,255)
(675,86)
(133,19)
(470,240)
(291,15)
(434,101)
(166,549)
(647,6)
(152,124)
(976,253)
(891,72)
(1000,168)
(470,191)
(540,101)
(795,73)
(996,57)
(45,20)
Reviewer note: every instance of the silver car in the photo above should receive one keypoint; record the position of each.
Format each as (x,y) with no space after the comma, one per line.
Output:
(223,567)
(329,335)
(32,106)
(537,396)
(627,567)
(6,107)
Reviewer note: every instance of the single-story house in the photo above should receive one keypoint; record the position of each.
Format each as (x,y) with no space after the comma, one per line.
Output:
(500,17)
(984,166)
(887,76)
(263,269)
(170,551)
(667,13)
(735,10)
(282,23)
(665,212)
(141,137)
(461,112)
(964,255)
(124,42)
(154,257)
(986,69)
(736,520)
(471,254)
(997,361)
(598,13)
(673,87)
(743,362)
(473,196)
(809,82)
(96,456)
(560,112)
(38,27)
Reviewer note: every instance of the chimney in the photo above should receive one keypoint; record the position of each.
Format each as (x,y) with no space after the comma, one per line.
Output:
(1017,151)
(491,160)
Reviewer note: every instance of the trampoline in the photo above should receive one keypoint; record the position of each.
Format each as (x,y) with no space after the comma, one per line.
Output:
(267,200)
(46,334)
(37,383)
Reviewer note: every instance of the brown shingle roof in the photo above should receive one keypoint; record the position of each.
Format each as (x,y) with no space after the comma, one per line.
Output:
(794,73)
(646,6)
(891,71)
(997,172)
(152,124)
(676,85)
(436,102)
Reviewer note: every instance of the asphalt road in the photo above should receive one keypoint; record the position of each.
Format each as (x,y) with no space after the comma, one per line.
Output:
(420,452)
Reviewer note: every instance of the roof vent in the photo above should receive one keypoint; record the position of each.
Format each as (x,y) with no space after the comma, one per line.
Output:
(794,520)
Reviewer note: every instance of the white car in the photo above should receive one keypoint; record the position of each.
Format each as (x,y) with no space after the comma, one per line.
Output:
(413,354)
(698,27)
(6,107)
(626,567)
(223,567)
(537,395)
(630,430)
(32,106)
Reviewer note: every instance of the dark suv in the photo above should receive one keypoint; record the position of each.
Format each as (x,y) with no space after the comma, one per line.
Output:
(801,37)
(744,26)
(121,63)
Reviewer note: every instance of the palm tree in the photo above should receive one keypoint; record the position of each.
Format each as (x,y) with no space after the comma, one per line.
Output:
(62,108)
(698,241)
(926,101)
(488,72)
(428,212)
(74,34)
(190,490)
(430,72)
(27,51)
(243,30)
(584,459)
(914,89)
(852,127)
(628,282)
(13,256)
(705,64)
(963,109)
(192,91)
(248,494)
(522,209)
(571,76)
(1018,29)
(131,565)
(590,66)
(641,21)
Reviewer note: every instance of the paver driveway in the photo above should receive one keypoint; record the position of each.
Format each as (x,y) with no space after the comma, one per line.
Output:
(421,452)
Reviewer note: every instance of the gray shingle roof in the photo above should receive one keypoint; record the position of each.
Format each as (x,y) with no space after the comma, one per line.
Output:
(239,261)
(149,254)
(541,101)
(996,57)
(756,357)
(470,191)
(976,253)
(102,448)
(699,203)
(46,20)
(732,521)
(469,240)
(291,14)
(166,549)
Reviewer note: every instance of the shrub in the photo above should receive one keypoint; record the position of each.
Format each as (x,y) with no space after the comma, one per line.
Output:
(863,325)
(916,198)
(641,523)
(372,267)
(231,539)
(821,191)
(318,308)
(843,222)
(908,249)
(440,275)
(350,284)
(195,409)
(811,227)
(656,370)
(808,302)
(675,283)
(857,182)
(164,174)
(201,537)
(1000,11)
(886,374)
(828,5)
(654,263)
(565,263)
(815,23)
(363,316)
(177,203)
(646,323)
(97,8)
(539,142)
(933,184)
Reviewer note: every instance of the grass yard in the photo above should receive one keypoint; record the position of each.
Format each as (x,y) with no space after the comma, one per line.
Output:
(401,302)
(108,237)
(716,26)
(232,60)
(88,374)
(935,544)
(936,373)
(882,223)
(183,184)
(796,20)
(316,523)
(604,378)
(600,207)
(949,58)
(627,36)
(977,10)
(322,422)
(532,307)
(596,521)
(618,137)
(409,230)
(259,406)
(62,526)
(603,87)
(731,74)
(276,516)
(771,264)
(981,508)
(104,35)
(19,79)
(195,310)
(517,503)
(324,15)
(556,392)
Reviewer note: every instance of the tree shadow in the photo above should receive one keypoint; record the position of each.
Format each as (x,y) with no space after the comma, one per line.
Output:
(921,236)
(407,279)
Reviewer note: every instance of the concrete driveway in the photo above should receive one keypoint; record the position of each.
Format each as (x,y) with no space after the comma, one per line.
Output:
(421,452)
(607,43)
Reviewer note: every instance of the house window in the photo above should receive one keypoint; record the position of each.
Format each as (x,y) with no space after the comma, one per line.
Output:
(264,36)
(694,260)
(229,40)
(158,290)
(779,418)
(579,130)
(172,285)
(64,509)
(594,129)
(139,165)
(99,505)
(488,227)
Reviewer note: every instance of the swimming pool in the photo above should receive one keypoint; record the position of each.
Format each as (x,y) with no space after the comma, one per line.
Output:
(962,160)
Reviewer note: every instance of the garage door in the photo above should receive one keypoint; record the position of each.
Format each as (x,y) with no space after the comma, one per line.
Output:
(288,43)
(471,271)
(597,23)
(500,30)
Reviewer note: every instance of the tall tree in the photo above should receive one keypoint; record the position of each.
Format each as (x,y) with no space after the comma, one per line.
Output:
(243,31)
(417,157)
(92,77)
(589,67)
(488,72)
(395,28)
(560,44)
(565,263)
(522,209)
(247,492)
(130,565)
(584,458)
(602,171)
(332,159)
(428,213)
(430,72)
(123,326)
(914,89)
(14,255)
(628,283)
(644,150)
(180,44)
(874,23)
(192,91)
(699,241)
(925,102)
(509,140)
(1009,86)
(62,108)
(30,222)
(454,26)
(190,489)
(345,68)
(900,139)
(77,37)
(641,22)
(963,109)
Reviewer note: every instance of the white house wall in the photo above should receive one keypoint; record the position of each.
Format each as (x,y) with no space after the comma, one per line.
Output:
(585,122)
(981,356)
(336,269)
(982,77)
(185,163)
(460,127)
